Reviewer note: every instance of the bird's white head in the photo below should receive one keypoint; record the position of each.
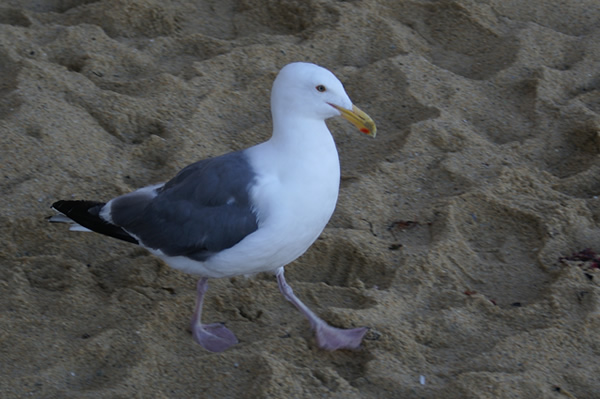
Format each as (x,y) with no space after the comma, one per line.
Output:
(309,91)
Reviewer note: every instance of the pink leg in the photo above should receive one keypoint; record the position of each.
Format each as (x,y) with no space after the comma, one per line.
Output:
(213,337)
(328,337)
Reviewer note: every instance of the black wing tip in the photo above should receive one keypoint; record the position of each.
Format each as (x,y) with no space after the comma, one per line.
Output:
(87,214)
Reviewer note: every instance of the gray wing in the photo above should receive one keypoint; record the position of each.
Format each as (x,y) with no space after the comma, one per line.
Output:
(204,209)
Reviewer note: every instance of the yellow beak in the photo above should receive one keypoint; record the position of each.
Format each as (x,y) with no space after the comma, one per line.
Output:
(358,118)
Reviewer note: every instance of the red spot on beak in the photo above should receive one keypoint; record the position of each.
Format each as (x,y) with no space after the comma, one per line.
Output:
(365,130)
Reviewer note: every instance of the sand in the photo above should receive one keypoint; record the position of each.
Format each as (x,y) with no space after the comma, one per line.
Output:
(452,239)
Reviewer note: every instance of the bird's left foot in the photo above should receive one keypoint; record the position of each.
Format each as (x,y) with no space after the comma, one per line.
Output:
(213,337)
(332,338)
(328,337)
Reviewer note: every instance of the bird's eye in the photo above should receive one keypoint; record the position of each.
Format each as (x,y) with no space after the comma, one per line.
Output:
(321,88)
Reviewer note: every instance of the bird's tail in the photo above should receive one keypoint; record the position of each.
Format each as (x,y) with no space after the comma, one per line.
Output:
(85,216)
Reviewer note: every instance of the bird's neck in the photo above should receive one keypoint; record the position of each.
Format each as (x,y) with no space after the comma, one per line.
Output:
(305,147)
(298,135)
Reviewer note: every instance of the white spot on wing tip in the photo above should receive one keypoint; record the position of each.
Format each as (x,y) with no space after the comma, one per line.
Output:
(59,219)
(77,227)
(72,225)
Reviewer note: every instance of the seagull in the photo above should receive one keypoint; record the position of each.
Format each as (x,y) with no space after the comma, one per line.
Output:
(244,212)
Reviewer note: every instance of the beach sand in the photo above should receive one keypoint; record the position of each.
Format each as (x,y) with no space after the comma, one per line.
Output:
(454,234)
